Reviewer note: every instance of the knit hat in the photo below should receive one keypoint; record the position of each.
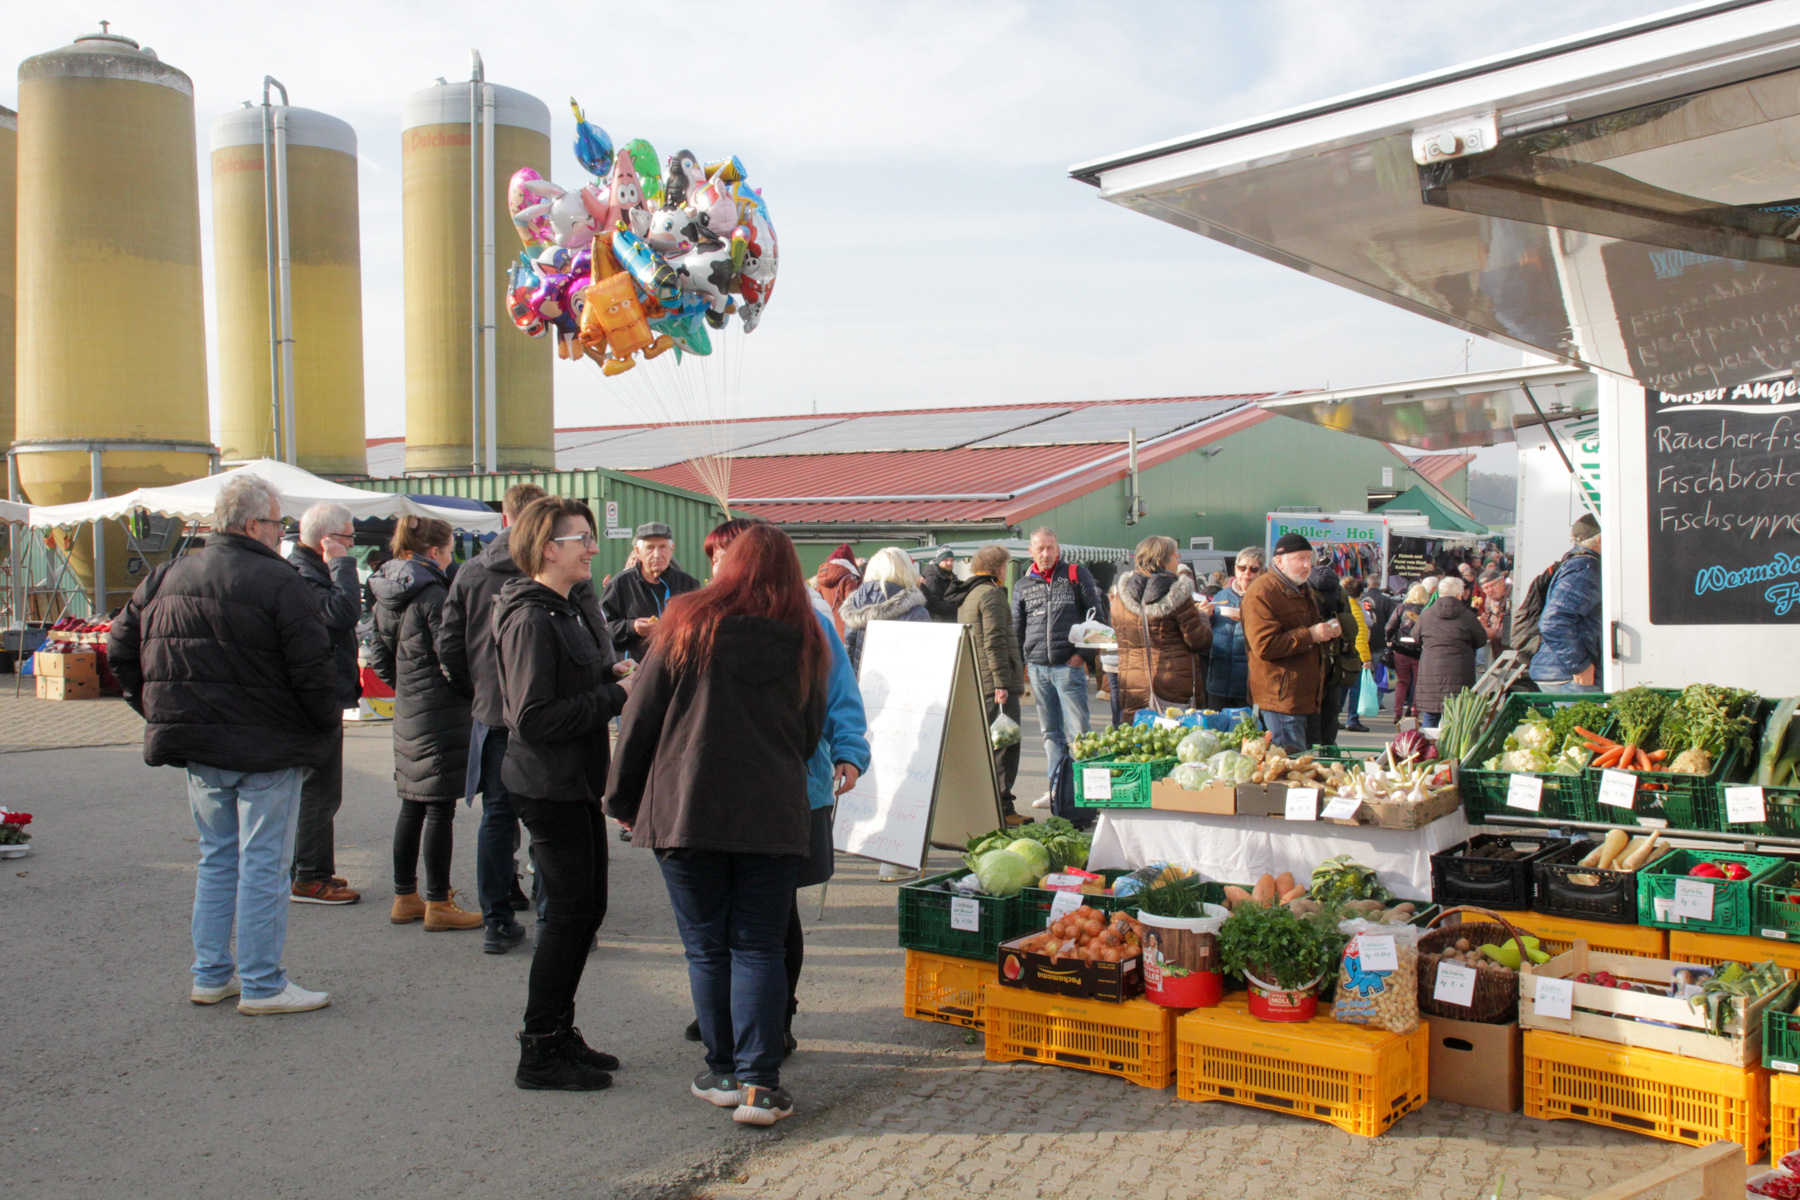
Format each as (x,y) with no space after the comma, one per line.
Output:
(1289,543)
(1584,528)
(945,555)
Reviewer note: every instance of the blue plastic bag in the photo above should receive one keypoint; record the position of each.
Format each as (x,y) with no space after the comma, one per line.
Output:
(1369,703)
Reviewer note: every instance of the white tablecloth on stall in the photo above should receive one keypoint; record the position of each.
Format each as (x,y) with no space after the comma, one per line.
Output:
(1240,849)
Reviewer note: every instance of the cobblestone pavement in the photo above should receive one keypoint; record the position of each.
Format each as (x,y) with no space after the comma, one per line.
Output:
(27,723)
(958,1126)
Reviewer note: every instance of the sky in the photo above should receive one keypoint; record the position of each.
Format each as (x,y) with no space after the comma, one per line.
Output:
(914,158)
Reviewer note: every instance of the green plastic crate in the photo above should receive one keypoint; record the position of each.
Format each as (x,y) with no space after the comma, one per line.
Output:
(1130,781)
(924,917)
(1035,902)
(1734,908)
(1781,1032)
(1684,801)
(1565,797)
(1777,900)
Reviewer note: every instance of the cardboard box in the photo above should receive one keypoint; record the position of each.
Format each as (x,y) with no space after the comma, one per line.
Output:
(1216,799)
(56,687)
(83,665)
(1263,799)
(1478,1065)
(1069,977)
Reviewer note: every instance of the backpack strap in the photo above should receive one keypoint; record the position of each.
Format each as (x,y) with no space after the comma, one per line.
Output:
(1072,582)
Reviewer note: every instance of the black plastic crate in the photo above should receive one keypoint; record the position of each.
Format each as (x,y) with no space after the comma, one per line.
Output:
(1612,897)
(1489,882)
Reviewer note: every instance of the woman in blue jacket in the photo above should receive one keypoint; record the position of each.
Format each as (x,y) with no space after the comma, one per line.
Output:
(1228,674)
(838,762)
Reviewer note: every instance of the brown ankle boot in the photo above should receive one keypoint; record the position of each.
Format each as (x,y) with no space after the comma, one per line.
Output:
(407,909)
(444,914)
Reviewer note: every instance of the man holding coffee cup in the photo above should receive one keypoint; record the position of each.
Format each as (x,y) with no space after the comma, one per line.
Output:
(1283,633)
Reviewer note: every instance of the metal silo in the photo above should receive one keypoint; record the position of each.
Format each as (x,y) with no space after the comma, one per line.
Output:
(446,369)
(314,164)
(112,356)
(9,255)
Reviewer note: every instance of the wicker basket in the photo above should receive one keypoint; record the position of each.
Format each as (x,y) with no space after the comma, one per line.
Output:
(1496,998)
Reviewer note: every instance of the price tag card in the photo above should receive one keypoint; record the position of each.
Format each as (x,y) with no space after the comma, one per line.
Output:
(1455,985)
(965,914)
(1303,804)
(1340,808)
(1693,899)
(1096,783)
(1744,804)
(1618,788)
(1061,905)
(1525,791)
(1556,998)
(1167,723)
(1377,952)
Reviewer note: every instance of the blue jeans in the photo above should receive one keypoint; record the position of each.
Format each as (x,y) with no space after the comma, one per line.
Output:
(732,910)
(1289,730)
(1062,702)
(1565,688)
(497,839)
(246,822)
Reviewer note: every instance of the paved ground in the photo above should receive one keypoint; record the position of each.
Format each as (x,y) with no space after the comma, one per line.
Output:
(116,1086)
(27,723)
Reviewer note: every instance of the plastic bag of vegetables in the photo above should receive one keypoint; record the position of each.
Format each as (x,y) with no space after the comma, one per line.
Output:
(1199,745)
(1228,766)
(1191,776)
(1004,732)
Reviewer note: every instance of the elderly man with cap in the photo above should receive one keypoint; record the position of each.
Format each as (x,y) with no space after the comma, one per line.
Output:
(635,599)
(1283,633)
(1568,653)
(1496,609)
(944,592)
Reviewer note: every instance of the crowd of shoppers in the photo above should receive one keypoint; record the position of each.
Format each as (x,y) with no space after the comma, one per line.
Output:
(740,722)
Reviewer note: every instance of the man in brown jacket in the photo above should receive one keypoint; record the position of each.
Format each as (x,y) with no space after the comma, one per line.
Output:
(1283,632)
(999,665)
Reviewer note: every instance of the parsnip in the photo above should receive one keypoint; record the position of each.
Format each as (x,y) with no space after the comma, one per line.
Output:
(1611,848)
(1641,857)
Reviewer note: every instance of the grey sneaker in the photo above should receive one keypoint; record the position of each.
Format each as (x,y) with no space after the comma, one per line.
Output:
(722,1090)
(212,995)
(764,1106)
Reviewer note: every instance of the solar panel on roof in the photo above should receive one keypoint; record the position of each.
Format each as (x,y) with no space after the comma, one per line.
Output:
(648,449)
(568,439)
(1112,422)
(906,431)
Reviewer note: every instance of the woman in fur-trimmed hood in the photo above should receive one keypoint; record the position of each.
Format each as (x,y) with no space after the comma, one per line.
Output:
(1164,630)
(889,592)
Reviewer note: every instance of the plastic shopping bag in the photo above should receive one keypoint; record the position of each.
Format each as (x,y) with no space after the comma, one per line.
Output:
(1369,703)
(1004,732)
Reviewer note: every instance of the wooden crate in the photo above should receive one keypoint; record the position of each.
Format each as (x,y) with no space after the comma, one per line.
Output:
(1621,1017)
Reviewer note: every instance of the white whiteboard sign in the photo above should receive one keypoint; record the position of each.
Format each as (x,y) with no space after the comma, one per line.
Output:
(928,746)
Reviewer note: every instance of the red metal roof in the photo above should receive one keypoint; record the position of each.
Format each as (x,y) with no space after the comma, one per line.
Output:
(1435,468)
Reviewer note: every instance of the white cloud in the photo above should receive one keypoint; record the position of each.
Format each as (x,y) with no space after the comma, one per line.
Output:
(914,156)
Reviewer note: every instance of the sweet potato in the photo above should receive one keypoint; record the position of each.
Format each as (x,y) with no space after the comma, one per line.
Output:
(1284,883)
(1264,892)
(1292,894)
(1235,896)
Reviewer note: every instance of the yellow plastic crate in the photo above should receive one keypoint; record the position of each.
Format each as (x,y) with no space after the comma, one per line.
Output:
(942,988)
(1134,1040)
(1361,1080)
(1645,1091)
(1784,1115)
(1558,934)
(1709,948)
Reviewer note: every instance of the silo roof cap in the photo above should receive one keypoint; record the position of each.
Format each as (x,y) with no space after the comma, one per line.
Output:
(105,55)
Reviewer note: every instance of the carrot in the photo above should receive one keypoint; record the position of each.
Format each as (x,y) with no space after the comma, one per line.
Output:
(1629,761)
(1608,758)
(1657,756)
(1589,735)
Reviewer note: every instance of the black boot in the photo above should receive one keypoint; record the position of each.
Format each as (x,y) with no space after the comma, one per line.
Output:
(579,1050)
(545,1064)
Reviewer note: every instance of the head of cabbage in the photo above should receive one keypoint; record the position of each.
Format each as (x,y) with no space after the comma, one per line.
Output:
(1033,853)
(1228,766)
(1191,775)
(1199,745)
(1003,873)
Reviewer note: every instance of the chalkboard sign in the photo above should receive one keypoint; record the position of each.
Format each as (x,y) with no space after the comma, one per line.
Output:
(1724,512)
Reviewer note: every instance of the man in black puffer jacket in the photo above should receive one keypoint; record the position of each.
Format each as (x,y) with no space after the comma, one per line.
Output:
(224,654)
(322,556)
(1047,602)
(467,643)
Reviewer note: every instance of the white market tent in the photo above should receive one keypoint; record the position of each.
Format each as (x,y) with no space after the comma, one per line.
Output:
(14,514)
(300,490)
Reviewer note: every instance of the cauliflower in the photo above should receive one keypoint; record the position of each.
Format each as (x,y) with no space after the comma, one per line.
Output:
(1524,762)
(1533,735)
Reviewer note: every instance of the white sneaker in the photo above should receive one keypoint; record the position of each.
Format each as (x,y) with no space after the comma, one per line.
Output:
(212,995)
(1042,801)
(291,999)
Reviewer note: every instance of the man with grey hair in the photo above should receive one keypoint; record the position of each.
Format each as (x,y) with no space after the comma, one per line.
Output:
(323,559)
(224,654)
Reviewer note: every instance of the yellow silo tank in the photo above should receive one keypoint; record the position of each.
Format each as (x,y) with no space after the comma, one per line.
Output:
(9,256)
(434,172)
(112,350)
(325,290)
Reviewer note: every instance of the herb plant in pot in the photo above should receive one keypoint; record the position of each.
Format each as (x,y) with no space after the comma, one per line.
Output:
(1282,957)
(1181,944)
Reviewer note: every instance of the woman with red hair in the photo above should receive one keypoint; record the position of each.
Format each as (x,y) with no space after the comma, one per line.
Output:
(711,773)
